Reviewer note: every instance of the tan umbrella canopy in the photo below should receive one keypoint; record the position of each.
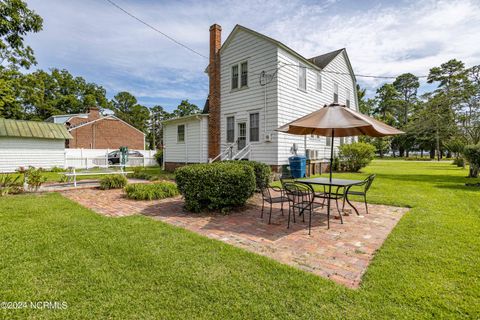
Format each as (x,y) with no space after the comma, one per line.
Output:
(339,121)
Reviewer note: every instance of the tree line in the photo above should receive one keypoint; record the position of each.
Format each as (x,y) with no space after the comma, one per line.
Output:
(441,122)
(40,94)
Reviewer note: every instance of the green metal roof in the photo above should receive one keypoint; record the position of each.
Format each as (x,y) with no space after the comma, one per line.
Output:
(32,129)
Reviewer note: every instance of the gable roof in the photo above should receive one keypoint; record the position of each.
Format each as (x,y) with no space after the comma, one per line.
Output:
(238,28)
(324,59)
(318,62)
(33,129)
(100,119)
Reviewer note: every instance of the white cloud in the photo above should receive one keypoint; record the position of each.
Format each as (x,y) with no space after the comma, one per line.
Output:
(96,40)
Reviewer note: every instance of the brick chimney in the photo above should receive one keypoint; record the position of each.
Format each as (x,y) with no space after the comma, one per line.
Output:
(214,91)
(93,113)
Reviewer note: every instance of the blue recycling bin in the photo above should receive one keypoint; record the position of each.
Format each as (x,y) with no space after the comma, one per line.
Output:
(298,166)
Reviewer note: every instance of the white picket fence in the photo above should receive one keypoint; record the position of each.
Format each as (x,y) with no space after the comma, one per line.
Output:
(11,160)
(88,158)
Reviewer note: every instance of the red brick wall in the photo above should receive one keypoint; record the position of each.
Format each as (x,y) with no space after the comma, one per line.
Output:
(214,91)
(106,134)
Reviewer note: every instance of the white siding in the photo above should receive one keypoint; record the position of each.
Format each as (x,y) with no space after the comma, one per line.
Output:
(261,55)
(24,152)
(195,147)
(294,103)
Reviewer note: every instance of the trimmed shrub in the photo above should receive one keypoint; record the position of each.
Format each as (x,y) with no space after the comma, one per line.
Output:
(116,181)
(216,186)
(356,155)
(472,155)
(159,157)
(151,191)
(263,172)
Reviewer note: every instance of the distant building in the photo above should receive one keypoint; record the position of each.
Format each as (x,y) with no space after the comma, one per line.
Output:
(31,143)
(92,130)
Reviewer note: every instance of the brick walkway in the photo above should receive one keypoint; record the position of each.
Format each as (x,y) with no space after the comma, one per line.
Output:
(341,254)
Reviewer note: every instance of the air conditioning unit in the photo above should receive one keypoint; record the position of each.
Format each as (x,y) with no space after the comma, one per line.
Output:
(268,137)
(311,154)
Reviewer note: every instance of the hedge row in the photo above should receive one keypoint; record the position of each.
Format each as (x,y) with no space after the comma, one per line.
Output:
(216,186)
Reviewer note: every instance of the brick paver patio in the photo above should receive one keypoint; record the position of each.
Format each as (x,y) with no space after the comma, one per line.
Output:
(341,254)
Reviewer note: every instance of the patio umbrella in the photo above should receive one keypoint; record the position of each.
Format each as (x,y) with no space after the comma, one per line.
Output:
(337,120)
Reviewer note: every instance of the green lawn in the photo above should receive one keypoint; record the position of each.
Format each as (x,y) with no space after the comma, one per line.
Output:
(56,176)
(51,249)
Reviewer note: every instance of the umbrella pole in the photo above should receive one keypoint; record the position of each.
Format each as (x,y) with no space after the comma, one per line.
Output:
(330,184)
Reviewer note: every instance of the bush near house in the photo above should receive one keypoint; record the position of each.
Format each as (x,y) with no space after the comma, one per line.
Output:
(159,157)
(356,155)
(34,177)
(116,181)
(216,186)
(151,191)
(263,172)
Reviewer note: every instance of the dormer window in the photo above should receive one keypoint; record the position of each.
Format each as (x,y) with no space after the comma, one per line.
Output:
(240,75)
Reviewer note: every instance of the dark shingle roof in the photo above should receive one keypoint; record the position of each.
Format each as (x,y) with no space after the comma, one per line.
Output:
(32,129)
(323,60)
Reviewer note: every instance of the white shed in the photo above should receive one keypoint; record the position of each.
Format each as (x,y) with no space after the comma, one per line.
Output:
(31,143)
(185,140)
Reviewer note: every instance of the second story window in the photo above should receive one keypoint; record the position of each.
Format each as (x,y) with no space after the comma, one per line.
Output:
(230,129)
(347,98)
(254,126)
(235,77)
(244,74)
(181,133)
(319,82)
(335,92)
(302,77)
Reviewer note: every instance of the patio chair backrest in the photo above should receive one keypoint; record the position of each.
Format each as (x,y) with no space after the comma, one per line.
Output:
(298,192)
(369,181)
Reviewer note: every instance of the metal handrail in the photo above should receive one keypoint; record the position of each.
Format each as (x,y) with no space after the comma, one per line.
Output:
(226,152)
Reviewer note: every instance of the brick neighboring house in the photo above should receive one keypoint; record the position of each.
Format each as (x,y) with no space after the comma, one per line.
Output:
(92,130)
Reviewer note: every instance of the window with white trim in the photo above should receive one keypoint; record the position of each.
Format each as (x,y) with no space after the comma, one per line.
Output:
(329,141)
(254,127)
(181,133)
(319,82)
(335,92)
(347,97)
(230,129)
(235,77)
(302,77)
(244,74)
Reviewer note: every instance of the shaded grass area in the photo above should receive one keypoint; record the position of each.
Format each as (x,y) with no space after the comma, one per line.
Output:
(55,250)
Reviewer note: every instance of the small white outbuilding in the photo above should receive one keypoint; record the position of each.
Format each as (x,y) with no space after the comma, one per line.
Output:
(31,143)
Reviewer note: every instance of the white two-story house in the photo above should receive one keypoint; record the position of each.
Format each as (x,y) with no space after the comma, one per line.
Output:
(258,84)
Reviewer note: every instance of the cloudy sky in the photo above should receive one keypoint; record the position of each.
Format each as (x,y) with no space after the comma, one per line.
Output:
(95,40)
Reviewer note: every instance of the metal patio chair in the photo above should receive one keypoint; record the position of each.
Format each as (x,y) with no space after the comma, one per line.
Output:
(366,184)
(300,197)
(277,196)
